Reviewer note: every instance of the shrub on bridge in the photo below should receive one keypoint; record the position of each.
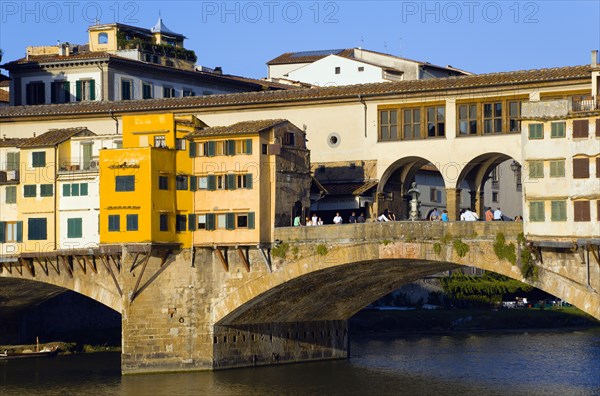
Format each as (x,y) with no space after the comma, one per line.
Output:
(280,250)
(321,250)
(460,247)
(505,251)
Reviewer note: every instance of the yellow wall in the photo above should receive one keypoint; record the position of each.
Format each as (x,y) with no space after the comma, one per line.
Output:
(137,128)
(111,45)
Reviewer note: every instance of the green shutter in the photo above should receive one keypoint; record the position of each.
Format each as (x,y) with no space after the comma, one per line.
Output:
(211,182)
(210,149)
(191,222)
(19,231)
(251,220)
(248,177)
(92,89)
(193,146)
(248,146)
(193,183)
(2,231)
(67,89)
(78,91)
(230,147)
(230,185)
(230,221)
(66,190)
(83,189)
(53,91)
(210,221)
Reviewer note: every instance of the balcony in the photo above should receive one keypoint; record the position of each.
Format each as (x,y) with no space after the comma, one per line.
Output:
(87,166)
(585,103)
(9,176)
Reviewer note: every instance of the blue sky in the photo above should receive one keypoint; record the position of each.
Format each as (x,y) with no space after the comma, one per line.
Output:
(479,36)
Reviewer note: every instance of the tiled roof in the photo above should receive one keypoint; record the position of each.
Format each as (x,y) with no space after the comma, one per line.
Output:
(12,142)
(243,127)
(308,56)
(58,58)
(56,136)
(430,86)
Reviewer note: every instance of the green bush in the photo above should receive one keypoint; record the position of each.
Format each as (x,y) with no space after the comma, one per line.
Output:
(280,250)
(437,248)
(505,251)
(446,239)
(460,247)
(321,250)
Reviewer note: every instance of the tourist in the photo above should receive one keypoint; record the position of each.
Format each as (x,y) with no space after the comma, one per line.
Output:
(445,216)
(384,216)
(497,215)
(314,219)
(360,218)
(469,215)
(434,215)
(489,215)
(518,218)
(337,219)
(297,221)
(352,218)
(320,221)
(392,216)
(307,221)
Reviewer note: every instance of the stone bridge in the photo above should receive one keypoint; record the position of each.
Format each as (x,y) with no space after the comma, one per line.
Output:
(233,306)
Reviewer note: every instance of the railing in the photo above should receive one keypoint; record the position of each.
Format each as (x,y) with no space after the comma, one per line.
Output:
(585,103)
(79,166)
(9,176)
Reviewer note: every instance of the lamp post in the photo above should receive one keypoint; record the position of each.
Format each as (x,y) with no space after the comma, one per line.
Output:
(516,168)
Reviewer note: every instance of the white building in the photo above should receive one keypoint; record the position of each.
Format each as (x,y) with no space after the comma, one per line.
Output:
(11,229)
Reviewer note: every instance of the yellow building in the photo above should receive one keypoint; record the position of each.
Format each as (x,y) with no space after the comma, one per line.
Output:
(250,178)
(36,195)
(145,189)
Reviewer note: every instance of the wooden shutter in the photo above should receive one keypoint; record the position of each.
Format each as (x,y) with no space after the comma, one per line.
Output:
(230,147)
(210,149)
(581,168)
(78,90)
(248,177)
(230,221)
(193,183)
(211,182)
(580,128)
(251,220)
(598,166)
(66,190)
(92,89)
(193,146)
(2,231)
(248,146)
(83,189)
(581,210)
(191,222)
(231,181)
(20,231)
(210,221)
(67,89)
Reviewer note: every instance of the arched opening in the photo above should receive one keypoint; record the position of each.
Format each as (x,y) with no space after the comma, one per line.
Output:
(103,38)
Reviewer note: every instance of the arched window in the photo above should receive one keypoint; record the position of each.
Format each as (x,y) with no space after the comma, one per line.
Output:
(103,38)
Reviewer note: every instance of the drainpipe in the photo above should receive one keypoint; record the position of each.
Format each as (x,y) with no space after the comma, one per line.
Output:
(111,115)
(56,206)
(361,100)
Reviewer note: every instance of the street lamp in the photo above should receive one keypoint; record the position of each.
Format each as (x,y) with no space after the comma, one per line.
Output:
(516,168)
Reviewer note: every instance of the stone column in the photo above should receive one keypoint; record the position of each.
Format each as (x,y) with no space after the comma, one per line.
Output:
(479,207)
(453,203)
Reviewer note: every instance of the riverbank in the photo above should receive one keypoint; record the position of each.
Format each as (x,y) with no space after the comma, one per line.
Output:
(64,348)
(462,320)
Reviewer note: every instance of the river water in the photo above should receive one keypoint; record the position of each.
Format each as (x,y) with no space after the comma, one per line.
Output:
(516,363)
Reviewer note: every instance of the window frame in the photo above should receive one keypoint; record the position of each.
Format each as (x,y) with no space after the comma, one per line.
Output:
(535,131)
(12,195)
(163,222)
(535,166)
(163,183)
(132,222)
(77,223)
(125,183)
(114,223)
(495,120)
(554,130)
(38,159)
(540,209)
(558,210)
(35,231)
(557,168)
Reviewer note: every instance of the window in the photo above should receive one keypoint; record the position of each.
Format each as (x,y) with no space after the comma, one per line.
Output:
(147,91)
(436,121)
(222,221)
(124,183)
(85,90)
(103,38)
(11,195)
(557,129)
(242,221)
(46,190)
(180,223)
(36,229)
(181,182)
(581,168)
(514,110)
(160,141)
(168,92)
(435,195)
(536,131)
(11,231)
(580,128)
(114,223)
(220,147)
(221,182)
(180,144)
(338,70)
(495,195)
(411,124)
(264,149)
(132,222)
(164,222)
(244,181)
(126,89)
(202,182)
(163,182)
(492,117)
(558,211)
(118,144)
(581,210)
(289,139)
(557,168)
(188,92)
(35,93)
(536,169)
(536,211)
(202,222)
(29,190)
(467,119)
(361,68)
(38,159)
(74,228)
(243,146)
(59,92)
(13,161)
(388,125)
(75,190)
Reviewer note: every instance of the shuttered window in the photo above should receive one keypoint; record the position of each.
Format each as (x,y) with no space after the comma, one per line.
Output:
(557,168)
(36,229)
(181,182)
(163,182)
(124,183)
(180,223)
(132,222)
(558,211)
(536,169)
(581,210)
(29,190)
(597,127)
(191,222)
(46,190)
(536,211)
(580,128)
(557,129)
(11,231)
(114,223)
(164,222)
(12,161)
(38,159)
(11,195)
(74,228)
(581,168)
(210,221)
(597,166)
(536,131)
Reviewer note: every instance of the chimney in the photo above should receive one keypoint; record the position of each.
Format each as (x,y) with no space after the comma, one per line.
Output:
(594,58)
(218,70)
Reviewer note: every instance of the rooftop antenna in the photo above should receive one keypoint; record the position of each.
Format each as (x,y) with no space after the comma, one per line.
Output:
(385,46)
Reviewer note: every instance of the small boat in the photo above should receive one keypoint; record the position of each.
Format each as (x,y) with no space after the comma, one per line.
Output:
(46,352)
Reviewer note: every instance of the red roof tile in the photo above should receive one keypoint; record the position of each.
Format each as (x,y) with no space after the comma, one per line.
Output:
(243,127)
(56,136)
